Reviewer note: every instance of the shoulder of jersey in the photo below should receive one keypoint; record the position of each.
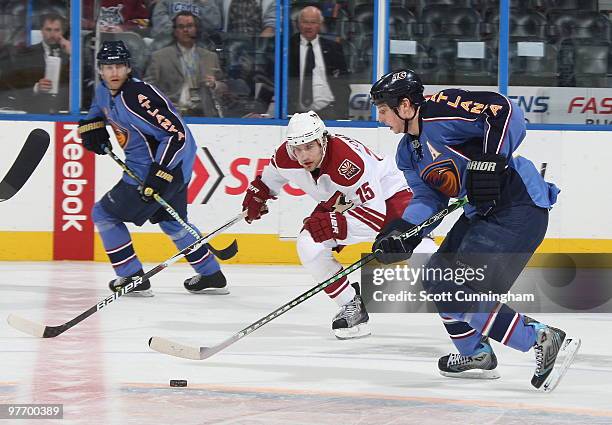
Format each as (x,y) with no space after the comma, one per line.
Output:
(438,104)
(282,160)
(132,89)
(342,163)
(140,97)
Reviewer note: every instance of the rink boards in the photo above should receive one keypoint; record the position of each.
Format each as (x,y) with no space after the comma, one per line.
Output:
(50,217)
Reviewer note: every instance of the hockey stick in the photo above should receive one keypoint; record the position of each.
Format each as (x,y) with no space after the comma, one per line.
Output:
(42,331)
(28,159)
(223,254)
(172,348)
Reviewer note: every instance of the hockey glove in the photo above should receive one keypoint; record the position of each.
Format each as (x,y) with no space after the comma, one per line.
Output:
(94,135)
(389,247)
(156,182)
(324,226)
(254,202)
(483,179)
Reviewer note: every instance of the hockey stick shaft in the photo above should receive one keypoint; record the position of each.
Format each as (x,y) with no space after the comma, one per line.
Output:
(42,331)
(169,347)
(26,162)
(223,254)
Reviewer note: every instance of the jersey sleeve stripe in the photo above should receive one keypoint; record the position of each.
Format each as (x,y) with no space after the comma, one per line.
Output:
(456,152)
(373,225)
(449,119)
(503,130)
(375,213)
(463,335)
(145,142)
(378,221)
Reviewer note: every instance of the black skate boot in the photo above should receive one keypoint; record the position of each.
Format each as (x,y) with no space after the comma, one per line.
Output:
(554,354)
(142,290)
(352,320)
(214,284)
(480,365)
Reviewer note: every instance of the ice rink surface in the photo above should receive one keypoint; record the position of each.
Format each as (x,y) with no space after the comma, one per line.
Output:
(291,371)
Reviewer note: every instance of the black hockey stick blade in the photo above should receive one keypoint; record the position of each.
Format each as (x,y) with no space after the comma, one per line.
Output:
(28,159)
(226,253)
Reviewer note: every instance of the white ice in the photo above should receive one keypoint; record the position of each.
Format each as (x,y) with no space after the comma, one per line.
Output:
(291,371)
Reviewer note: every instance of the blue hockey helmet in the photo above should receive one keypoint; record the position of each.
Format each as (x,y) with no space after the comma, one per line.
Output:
(113,52)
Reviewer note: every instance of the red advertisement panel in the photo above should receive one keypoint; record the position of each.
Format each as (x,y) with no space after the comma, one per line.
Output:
(73,229)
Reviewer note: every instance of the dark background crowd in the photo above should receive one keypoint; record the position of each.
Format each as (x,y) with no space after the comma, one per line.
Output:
(216,58)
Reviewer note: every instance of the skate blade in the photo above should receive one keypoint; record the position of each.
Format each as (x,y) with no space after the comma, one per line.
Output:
(567,353)
(140,294)
(360,331)
(472,374)
(211,291)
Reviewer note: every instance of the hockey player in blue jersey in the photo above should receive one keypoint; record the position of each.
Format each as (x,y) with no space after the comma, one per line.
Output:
(160,149)
(460,143)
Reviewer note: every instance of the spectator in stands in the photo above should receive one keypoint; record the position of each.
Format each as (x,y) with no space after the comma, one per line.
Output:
(318,75)
(116,15)
(207,11)
(13,22)
(39,75)
(186,73)
(252,17)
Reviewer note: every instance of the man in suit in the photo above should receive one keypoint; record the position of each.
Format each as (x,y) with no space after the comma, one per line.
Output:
(186,73)
(164,12)
(39,74)
(318,76)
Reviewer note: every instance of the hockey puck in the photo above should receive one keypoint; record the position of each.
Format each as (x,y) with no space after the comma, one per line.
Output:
(178,382)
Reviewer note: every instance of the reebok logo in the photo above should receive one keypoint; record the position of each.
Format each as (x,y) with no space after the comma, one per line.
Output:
(74,195)
(72,184)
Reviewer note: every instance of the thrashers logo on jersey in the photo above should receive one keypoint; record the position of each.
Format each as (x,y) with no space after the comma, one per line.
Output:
(443,176)
(348,169)
(121,133)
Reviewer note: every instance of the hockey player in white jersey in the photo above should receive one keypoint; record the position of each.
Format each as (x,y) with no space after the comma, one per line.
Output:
(357,192)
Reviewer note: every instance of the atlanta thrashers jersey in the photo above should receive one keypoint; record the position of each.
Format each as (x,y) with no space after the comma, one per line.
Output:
(147,126)
(366,180)
(455,127)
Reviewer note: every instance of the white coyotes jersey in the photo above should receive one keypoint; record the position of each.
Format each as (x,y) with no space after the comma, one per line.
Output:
(365,178)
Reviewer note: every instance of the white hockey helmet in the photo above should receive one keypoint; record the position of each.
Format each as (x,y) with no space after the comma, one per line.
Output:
(304,128)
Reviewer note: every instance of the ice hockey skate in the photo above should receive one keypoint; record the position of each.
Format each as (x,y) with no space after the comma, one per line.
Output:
(352,320)
(142,290)
(214,284)
(554,355)
(480,365)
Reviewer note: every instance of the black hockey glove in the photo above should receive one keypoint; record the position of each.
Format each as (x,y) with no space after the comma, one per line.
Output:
(389,247)
(156,182)
(94,135)
(483,179)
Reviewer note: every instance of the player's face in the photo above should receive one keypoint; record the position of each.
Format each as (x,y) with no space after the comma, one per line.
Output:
(114,75)
(52,32)
(388,117)
(309,154)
